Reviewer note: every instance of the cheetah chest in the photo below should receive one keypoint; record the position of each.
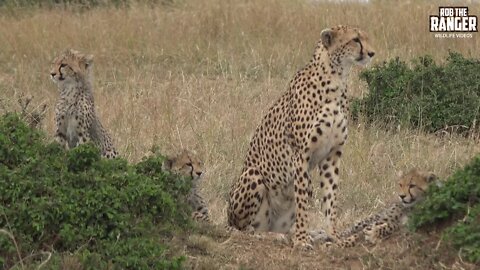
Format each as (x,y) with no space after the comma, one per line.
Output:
(327,135)
(74,116)
(72,127)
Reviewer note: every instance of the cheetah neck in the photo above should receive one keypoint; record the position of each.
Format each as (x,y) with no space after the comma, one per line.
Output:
(324,78)
(194,185)
(194,192)
(78,87)
(194,189)
(330,65)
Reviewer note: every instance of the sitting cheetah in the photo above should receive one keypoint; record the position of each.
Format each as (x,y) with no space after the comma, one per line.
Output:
(412,187)
(305,128)
(189,165)
(75,117)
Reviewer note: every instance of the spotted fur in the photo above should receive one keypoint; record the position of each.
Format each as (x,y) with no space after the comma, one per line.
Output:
(305,129)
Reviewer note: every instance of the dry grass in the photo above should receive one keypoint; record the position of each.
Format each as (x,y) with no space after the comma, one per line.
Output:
(213,249)
(200,74)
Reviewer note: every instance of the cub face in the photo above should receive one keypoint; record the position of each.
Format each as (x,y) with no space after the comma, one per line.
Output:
(186,164)
(413,185)
(70,66)
(348,45)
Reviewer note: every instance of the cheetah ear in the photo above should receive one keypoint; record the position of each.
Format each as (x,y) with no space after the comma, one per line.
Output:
(69,52)
(327,36)
(88,59)
(184,152)
(431,177)
(167,164)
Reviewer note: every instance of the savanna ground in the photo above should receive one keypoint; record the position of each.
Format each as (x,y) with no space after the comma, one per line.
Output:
(200,75)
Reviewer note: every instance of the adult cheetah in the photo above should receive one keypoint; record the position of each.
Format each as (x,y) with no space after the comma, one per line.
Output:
(75,117)
(304,129)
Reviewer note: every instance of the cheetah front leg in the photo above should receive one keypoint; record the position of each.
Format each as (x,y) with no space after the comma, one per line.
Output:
(201,216)
(302,188)
(320,236)
(61,129)
(83,125)
(248,206)
(329,178)
(379,231)
(200,209)
(77,132)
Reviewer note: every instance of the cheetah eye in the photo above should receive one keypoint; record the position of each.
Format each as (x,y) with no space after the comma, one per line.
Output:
(189,164)
(63,65)
(411,186)
(356,40)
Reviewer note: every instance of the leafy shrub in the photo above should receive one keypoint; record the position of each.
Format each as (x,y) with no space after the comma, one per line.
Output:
(427,95)
(118,214)
(465,235)
(458,201)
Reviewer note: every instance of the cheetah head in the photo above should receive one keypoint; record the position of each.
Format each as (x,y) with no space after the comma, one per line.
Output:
(70,66)
(186,164)
(412,185)
(347,45)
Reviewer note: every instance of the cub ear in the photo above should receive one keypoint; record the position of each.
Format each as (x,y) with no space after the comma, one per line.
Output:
(69,52)
(88,60)
(167,164)
(327,37)
(399,174)
(431,177)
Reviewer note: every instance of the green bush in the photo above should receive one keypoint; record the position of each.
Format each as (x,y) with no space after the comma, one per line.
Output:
(427,95)
(115,213)
(457,203)
(465,235)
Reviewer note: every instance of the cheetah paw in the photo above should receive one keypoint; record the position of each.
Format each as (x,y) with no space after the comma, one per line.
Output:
(320,236)
(303,244)
(327,244)
(282,239)
(372,233)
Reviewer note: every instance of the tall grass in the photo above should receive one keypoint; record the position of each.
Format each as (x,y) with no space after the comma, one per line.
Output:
(200,75)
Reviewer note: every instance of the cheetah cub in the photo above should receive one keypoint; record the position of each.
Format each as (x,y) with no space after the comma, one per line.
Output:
(187,164)
(374,228)
(75,117)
